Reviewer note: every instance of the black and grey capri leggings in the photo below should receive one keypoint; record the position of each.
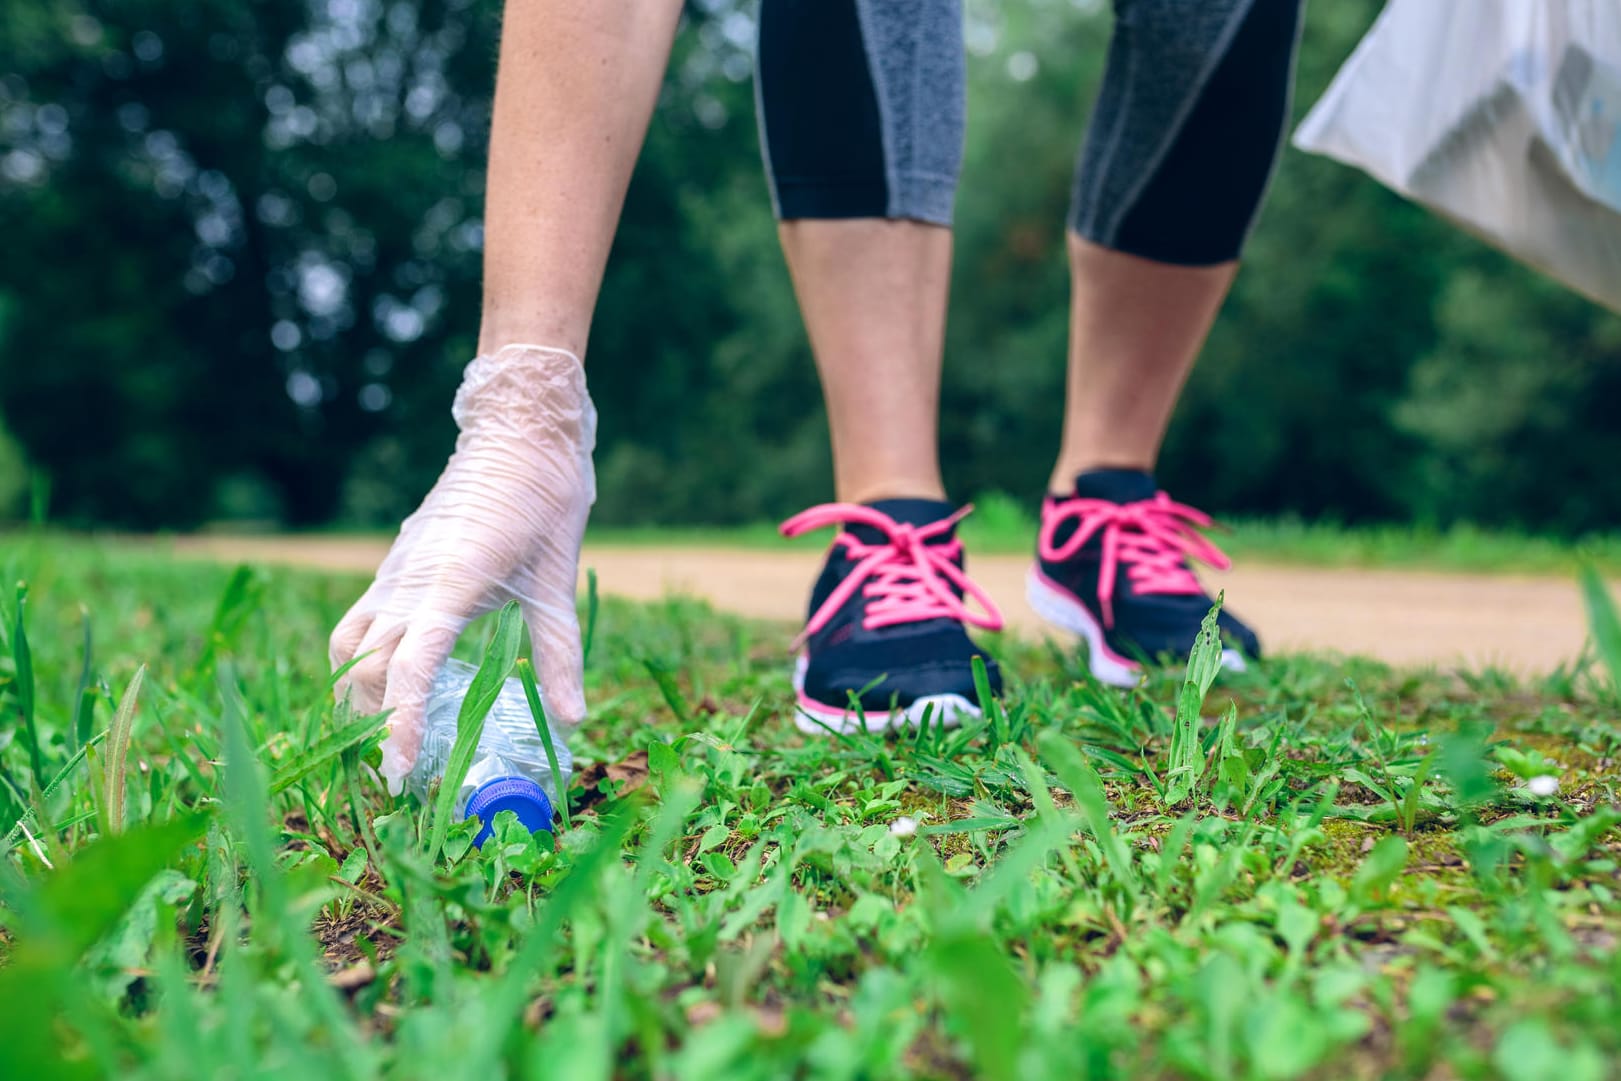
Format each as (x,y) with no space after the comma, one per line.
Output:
(861,106)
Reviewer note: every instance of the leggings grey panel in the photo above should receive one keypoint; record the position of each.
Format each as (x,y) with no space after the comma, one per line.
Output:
(1187,127)
(915,53)
(861,107)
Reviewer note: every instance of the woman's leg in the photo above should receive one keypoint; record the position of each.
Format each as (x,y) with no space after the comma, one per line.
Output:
(873,295)
(861,108)
(1135,327)
(1181,146)
(1187,128)
(861,113)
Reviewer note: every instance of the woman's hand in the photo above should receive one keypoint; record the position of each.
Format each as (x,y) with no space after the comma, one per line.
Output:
(503,522)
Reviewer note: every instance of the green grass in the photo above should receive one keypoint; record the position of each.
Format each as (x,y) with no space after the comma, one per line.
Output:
(1328,870)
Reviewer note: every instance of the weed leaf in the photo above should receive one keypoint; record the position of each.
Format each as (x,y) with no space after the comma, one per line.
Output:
(325,751)
(984,998)
(79,903)
(1380,870)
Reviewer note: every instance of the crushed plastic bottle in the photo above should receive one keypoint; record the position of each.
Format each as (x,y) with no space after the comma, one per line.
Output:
(509,772)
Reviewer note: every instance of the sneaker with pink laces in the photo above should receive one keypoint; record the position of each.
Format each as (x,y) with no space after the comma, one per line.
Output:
(1113,567)
(888,619)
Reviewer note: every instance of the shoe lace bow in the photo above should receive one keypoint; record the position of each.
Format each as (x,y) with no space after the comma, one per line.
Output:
(906,578)
(1153,539)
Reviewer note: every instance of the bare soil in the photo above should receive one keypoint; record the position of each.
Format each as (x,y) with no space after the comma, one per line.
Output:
(1527,625)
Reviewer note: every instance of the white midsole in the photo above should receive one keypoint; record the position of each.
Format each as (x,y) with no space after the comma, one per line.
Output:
(1069,614)
(938,710)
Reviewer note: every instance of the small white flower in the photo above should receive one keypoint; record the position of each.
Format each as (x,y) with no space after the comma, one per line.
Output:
(1544,785)
(904,826)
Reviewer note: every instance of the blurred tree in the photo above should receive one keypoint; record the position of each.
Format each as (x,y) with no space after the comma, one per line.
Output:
(245,242)
(239,218)
(1513,410)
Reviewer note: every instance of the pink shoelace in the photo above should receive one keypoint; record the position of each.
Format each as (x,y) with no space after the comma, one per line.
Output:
(1153,539)
(908,579)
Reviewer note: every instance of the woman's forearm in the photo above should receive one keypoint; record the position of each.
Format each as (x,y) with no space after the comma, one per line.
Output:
(576,85)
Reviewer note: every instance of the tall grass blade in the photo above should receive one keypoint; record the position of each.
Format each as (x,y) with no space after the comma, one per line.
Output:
(117,758)
(1083,782)
(236,603)
(664,679)
(247,801)
(23,658)
(537,956)
(84,697)
(1187,757)
(531,690)
(1603,620)
(1411,800)
(591,604)
(1013,869)
(276,923)
(492,673)
(991,704)
(39,498)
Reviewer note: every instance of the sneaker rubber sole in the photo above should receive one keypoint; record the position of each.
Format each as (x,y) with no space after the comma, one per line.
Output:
(1055,604)
(819,719)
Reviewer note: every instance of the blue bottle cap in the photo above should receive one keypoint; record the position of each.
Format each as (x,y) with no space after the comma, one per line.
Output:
(520,795)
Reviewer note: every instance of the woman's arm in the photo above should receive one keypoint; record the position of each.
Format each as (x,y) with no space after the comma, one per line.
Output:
(576,86)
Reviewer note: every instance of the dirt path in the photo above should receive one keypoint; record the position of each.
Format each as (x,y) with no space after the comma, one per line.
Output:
(1524,624)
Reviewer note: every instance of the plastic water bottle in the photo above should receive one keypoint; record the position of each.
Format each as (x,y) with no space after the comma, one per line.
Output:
(510,771)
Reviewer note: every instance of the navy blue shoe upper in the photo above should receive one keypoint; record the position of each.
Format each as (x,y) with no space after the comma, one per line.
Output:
(892,666)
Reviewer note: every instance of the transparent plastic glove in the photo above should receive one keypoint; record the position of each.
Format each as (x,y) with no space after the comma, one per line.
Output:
(503,522)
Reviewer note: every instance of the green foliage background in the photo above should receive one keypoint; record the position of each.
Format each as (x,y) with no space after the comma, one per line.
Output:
(241,278)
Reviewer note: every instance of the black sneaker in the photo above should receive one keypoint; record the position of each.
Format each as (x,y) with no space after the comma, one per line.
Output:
(887,618)
(1113,568)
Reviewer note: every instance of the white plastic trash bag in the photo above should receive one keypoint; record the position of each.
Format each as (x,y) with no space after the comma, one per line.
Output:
(1504,115)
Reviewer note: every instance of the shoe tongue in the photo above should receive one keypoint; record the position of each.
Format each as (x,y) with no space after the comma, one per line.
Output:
(1116,485)
(907,512)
